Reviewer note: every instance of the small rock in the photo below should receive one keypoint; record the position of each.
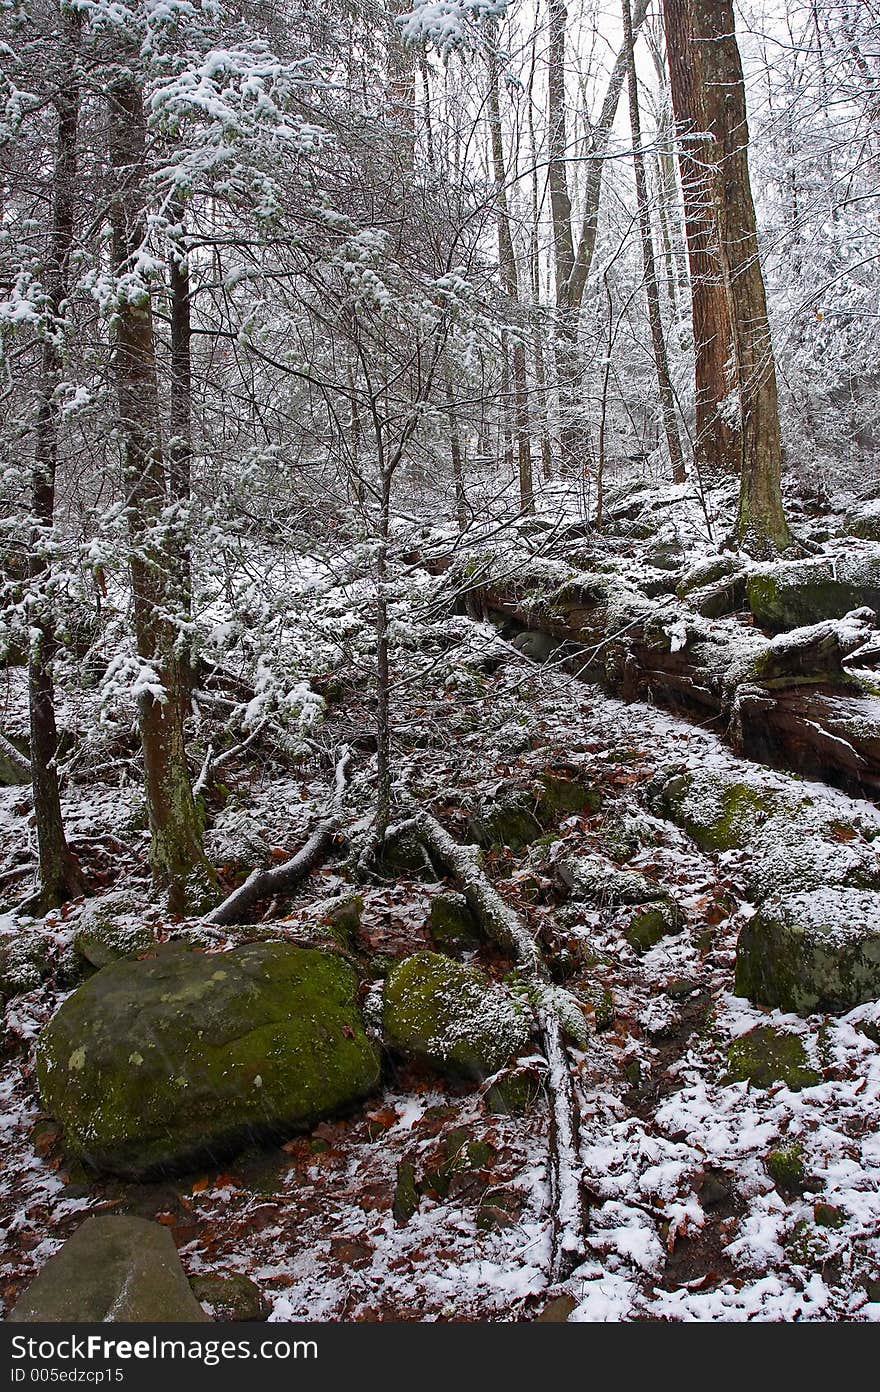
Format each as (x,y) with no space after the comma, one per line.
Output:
(786,1168)
(233,1298)
(557,1310)
(451,923)
(589,877)
(651,924)
(25,960)
(111,927)
(406,1194)
(826,1215)
(515,1092)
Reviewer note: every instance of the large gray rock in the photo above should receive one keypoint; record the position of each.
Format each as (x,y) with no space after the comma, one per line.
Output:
(114,1269)
(812,951)
(157,1063)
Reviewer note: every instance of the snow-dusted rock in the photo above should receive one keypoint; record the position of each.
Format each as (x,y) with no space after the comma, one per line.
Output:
(111,927)
(114,1268)
(792,594)
(812,951)
(452,1016)
(155,1063)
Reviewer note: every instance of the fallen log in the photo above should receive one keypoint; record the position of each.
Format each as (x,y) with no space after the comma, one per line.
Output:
(504,926)
(277,879)
(794,702)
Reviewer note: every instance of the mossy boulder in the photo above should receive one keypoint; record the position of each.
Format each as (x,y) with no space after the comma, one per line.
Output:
(111,927)
(451,924)
(234,1298)
(184,1056)
(812,951)
(709,571)
(719,810)
(565,795)
(863,521)
(653,922)
(796,594)
(510,820)
(795,841)
(452,1016)
(113,1269)
(765,1056)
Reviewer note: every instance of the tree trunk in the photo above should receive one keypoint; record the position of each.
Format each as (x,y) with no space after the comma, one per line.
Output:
(180,444)
(510,284)
(717,447)
(658,342)
(761,525)
(572,263)
(60,877)
(461,505)
(716,99)
(176,856)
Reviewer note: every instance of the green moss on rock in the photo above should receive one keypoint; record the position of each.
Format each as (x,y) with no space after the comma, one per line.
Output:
(234,1298)
(798,593)
(562,795)
(650,924)
(25,959)
(510,821)
(451,923)
(451,1016)
(765,1056)
(718,810)
(812,951)
(787,1169)
(111,927)
(591,878)
(155,1064)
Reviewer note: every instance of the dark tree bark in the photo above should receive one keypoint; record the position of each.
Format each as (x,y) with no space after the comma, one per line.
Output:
(176,855)
(652,292)
(180,443)
(60,876)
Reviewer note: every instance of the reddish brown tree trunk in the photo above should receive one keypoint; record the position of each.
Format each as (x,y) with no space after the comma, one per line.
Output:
(717,447)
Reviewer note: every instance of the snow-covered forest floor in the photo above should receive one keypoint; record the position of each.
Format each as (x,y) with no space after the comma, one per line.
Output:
(710,1196)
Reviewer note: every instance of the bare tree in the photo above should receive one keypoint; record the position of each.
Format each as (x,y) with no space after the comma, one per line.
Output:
(652,292)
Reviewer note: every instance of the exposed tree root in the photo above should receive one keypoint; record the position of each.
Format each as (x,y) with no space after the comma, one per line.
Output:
(277,879)
(507,928)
